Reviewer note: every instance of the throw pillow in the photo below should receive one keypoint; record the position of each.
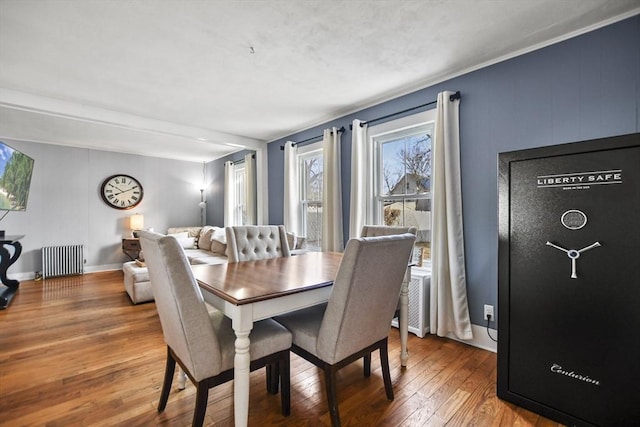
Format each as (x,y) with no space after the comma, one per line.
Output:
(219,235)
(187,242)
(204,241)
(219,241)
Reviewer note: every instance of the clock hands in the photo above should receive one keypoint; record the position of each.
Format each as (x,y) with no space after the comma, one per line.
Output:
(573,254)
(121,191)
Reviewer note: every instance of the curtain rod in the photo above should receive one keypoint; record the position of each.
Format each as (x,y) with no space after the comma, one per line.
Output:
(253,156)
(377,119)
(342,129)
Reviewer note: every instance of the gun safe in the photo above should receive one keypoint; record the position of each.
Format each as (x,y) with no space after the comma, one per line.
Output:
(569,281)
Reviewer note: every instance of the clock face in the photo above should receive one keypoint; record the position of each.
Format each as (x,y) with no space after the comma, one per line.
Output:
(121,191)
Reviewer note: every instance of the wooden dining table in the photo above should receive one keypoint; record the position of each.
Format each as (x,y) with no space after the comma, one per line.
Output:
(250,291)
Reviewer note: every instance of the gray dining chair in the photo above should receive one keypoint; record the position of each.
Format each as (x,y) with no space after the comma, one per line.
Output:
(357,318)
(201,340)
(255,242)
(387,230)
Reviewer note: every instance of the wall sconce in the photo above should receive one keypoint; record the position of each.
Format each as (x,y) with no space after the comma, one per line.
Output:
(136,223)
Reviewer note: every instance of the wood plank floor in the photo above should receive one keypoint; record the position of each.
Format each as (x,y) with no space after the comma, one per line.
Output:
(76,352)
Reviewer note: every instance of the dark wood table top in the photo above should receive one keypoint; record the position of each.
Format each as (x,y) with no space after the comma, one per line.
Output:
(253,281)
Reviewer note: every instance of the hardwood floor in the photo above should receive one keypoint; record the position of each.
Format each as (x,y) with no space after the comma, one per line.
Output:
(76,352)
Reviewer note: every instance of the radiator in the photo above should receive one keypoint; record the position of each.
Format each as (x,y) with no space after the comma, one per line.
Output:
(62,260)
(419,297)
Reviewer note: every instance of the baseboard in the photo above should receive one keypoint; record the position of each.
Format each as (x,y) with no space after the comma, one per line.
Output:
(480,338)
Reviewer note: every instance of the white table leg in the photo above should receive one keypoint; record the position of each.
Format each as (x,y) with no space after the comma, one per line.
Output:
(242,325)
(404,318)
(182,379)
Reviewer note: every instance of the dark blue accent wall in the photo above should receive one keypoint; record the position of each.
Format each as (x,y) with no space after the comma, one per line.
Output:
(215,191)
(582,88)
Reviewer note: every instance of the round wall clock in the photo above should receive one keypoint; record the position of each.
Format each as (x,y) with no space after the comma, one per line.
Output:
(121,191)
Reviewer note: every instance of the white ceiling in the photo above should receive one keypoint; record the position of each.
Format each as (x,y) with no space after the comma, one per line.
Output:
(197,79)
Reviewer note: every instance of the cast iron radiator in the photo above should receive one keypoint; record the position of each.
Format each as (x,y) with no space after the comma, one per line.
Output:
(62,260)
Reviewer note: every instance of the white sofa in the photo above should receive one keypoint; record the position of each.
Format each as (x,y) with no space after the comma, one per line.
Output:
(202,245)
(199,246)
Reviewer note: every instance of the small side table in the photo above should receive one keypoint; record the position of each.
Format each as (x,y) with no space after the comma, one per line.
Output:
(131,247)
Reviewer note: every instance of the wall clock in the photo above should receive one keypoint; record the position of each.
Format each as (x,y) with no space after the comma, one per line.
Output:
(121,191)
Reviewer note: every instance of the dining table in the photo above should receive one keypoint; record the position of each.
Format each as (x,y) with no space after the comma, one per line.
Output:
(250,291)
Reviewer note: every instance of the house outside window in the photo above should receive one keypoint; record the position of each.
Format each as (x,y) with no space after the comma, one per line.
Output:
(402,175)
(310,163)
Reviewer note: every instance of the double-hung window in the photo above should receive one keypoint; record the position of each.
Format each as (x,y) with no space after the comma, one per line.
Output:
(310,166)
(402,175)
(240,195)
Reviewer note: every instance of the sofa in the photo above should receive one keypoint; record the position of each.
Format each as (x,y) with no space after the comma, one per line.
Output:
(202,245)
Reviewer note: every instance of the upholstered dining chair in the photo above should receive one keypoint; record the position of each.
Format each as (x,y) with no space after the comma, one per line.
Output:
(357,318)
(254,242)
(387,230)
(200,340)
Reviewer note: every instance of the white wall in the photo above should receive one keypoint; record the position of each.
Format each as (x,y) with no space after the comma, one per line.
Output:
(65,206)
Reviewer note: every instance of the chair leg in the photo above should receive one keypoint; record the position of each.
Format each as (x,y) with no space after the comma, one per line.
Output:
(284,373)
(367,365)
(386,374)
(169,370)
(332,397)
(202,396)
(273,376)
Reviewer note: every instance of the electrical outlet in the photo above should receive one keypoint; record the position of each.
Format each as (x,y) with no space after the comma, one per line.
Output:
(488,311)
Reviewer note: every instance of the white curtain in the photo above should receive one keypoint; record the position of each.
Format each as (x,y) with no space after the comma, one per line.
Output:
(361,189)
(250,187)
(449,308)
(291,194)
(229,193)
(331,192)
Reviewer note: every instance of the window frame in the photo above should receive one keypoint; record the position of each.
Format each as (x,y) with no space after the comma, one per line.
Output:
(309,151)
(390,131)
(240,196)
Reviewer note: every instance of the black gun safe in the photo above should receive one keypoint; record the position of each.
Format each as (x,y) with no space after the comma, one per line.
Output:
(569,281)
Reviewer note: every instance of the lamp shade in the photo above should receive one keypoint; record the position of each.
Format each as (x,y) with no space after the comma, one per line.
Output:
(136,222)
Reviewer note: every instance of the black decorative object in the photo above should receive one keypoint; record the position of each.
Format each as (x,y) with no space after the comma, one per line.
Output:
(569,281)
(9,287)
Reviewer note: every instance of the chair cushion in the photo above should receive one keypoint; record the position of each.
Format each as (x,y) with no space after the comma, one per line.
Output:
(204,241)
(267,337)
(305,325)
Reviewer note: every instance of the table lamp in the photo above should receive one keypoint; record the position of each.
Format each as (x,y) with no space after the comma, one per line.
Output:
(136,223)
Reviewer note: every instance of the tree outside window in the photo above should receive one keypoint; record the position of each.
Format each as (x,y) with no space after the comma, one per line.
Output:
(404,181)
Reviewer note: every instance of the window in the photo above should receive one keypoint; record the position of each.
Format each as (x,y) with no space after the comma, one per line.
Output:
(402,175)
(240,196)
(310,167)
